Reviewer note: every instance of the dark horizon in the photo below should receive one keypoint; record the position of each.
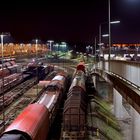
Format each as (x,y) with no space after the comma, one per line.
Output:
(70,22)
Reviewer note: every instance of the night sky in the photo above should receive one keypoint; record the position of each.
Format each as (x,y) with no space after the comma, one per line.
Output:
(70,21)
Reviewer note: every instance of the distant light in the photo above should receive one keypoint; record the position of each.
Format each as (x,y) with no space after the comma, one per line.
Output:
(36,41)
(105,35)
(63,45)
(50,41)
(56,45)
(115,22)
(63,42)
(21,45)
(101,44)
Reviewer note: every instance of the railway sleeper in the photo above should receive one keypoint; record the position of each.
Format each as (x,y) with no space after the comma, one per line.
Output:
(73,135)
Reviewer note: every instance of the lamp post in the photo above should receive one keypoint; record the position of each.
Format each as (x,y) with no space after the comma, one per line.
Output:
(91,47)
(36,49)
(106,35)
(50,44)
(95,41)
(21,47)
(2,38)
(100,29)
(57,47)
(109,32)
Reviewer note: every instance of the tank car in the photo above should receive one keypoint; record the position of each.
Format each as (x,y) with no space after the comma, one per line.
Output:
(54,94)
(34,122)
(31,124)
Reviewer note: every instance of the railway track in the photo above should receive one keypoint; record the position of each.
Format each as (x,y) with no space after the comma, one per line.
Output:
(22,95)
(15,93)
(18,98)
(14,102)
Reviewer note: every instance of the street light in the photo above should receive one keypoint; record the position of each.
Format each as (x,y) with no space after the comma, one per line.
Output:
(63,46)
(2,38)
(36,41)
(50,44)
(115,22)
(36,47)
(89,49)
(100,29)
(109,32)
(106,35)
(21,47)
(95,41)
(57,47)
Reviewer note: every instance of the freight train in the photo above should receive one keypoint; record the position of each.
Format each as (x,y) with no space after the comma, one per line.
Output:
(38,69)
(9,74)
(9,67)
(35,120)
(74,114)
(10,81)
(12,75)
(7,62)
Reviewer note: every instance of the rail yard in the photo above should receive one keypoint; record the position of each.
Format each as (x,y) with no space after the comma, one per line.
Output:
(48,101)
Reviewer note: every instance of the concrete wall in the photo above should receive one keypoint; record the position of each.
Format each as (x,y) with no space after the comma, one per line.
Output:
(128,70)
(135,124)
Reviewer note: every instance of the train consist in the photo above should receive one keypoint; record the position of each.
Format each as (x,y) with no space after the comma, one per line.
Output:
(9,67)
(10,81)
(9,75)
(38,69)
(74,114)
(35,120)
